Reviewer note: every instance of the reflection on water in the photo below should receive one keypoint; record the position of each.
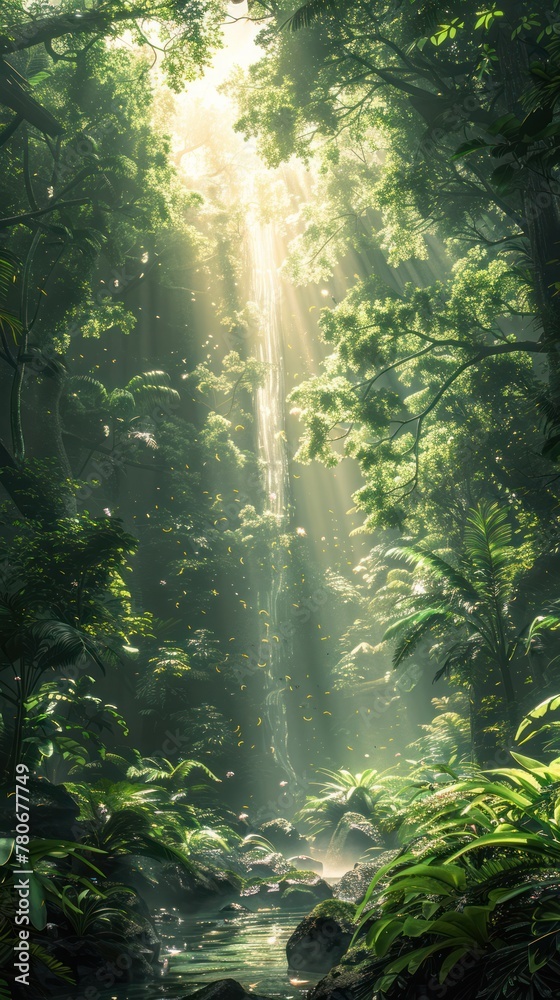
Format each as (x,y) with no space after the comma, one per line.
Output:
(250,948)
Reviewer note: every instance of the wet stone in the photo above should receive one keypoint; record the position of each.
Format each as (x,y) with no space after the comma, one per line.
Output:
(353,886)
(321,939)
(223,989)
(303,863)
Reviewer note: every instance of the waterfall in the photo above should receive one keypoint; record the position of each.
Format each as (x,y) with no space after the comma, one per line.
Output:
(271,440)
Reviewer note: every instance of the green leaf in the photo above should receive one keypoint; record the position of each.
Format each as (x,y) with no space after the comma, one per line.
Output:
(449,962)
(541,952)
(38,78)
(401,860)
(466,148)
(37,907)
(537,715)
(7,845)
(381,936)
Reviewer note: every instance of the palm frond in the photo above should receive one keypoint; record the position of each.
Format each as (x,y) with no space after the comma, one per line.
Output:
(488,543)
(433,564)
(412,629)
(88,392)
(54,643)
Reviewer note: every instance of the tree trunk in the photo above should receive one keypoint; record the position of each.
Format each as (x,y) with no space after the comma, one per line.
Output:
(44,435)
(484,743)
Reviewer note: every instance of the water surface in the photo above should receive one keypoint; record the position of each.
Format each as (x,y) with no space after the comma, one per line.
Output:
(250,948)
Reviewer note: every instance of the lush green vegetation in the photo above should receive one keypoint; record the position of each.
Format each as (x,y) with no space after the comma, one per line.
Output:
(186,656)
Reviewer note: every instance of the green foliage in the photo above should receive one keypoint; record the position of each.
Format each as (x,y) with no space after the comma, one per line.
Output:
(467,615)
(473,894)
(447,737)
(345,792)
(382,391)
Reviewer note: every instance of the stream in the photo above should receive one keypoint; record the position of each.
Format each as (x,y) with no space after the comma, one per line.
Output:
(250,948)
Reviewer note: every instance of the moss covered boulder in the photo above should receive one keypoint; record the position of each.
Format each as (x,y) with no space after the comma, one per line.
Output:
(304,863)
(353,836)
(352,979)
(321,939)
(283,836)
(306,887)
(353,886)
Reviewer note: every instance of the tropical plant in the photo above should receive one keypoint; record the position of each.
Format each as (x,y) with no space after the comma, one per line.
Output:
(447,737)
(89,911)
(466,613)
(470,904)
(155,813)
(63,604)
(344,792)
(44,858)
(66,726)
(123,419)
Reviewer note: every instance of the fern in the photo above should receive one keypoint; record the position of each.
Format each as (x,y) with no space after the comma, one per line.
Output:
(58,968)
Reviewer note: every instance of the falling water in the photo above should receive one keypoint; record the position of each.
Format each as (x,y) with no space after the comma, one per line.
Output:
(271,439)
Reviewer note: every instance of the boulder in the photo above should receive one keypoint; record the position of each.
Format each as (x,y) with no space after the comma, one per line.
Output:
(297,897)
(235,908)
(298,891)
(353,836)
(223,989)
(179,888)
(303,863)
(352,979)
(262,894)
(321,939)
(353,886)
(259,865)
(283,836)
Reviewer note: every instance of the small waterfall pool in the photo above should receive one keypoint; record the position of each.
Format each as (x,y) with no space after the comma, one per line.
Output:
(250,948)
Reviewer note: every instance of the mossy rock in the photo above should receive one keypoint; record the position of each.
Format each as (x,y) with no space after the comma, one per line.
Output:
(259,865)
(352,979)
(303,889)
(283,836)
(353,836)
(236,909)
(304,877)
(303,862)
(322,938)
(353,886)
(297,897)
